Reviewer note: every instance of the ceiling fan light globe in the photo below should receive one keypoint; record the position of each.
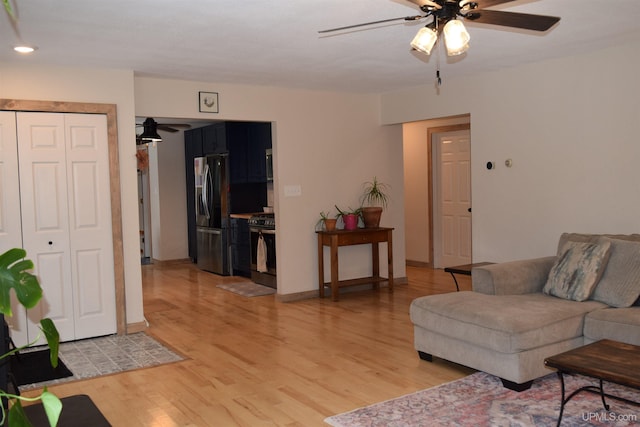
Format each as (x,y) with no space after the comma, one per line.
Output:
(456,37)
(458,51)
(425,40)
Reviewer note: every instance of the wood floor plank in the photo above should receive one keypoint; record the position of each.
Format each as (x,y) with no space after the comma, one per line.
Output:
(257,361)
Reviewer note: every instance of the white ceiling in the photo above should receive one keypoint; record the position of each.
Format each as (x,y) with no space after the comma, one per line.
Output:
(275,43)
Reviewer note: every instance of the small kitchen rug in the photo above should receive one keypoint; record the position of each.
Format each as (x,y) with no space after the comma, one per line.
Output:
(106,355)
(247,289)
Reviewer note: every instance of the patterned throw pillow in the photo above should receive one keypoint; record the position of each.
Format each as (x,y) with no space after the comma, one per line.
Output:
(577,270)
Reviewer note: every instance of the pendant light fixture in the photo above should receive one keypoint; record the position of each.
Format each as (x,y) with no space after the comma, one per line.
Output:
(150,133)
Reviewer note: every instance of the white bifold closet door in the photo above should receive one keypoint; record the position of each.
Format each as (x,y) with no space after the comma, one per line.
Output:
(66,223)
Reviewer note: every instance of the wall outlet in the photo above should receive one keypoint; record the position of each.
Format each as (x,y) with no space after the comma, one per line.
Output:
(292,191)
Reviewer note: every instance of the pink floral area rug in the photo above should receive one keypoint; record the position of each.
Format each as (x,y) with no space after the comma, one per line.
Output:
(481,400)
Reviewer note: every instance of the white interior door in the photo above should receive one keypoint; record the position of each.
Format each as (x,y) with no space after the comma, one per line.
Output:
(90,233)
(454,196)
(10,220)
(66,222)
(45,217)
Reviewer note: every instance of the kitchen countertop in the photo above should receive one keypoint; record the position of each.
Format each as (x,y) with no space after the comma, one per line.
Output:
(244,215)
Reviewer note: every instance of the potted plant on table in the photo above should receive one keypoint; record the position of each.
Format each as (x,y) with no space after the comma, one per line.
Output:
(14,275)
(374,199)
(328,223)
(349,217)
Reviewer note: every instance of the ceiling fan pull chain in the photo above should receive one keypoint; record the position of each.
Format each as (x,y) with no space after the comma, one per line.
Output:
(438,79)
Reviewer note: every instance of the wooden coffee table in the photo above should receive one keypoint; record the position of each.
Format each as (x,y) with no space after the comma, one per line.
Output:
(605,360)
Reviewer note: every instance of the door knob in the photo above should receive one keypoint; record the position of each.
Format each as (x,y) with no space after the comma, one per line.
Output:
(469,210)
(50,243)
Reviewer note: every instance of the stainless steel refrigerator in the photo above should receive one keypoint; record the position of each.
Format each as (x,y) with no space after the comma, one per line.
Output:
(212,213)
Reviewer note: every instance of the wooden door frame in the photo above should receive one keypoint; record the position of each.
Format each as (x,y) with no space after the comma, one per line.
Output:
(114,181)
(431,173)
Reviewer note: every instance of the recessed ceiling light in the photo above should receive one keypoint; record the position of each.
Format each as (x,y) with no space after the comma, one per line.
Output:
(24,49)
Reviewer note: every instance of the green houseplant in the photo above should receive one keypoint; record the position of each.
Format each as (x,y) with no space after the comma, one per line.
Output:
(349,217)
(14,275)
(373,200)
(327,223)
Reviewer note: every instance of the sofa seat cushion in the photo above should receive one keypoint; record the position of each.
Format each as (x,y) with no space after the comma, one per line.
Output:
(620,324)
(503,323)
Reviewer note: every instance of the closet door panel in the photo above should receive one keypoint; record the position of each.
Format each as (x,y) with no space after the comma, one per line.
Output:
(90,225)
(10,221)
(45,217)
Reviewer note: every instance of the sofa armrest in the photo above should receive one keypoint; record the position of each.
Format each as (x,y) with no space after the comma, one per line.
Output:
(512,278)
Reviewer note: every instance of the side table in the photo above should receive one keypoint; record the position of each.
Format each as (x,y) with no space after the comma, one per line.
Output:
(463,269)
(360,236)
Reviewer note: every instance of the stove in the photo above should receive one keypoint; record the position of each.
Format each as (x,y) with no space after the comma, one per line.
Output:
(262,228)
(265,221)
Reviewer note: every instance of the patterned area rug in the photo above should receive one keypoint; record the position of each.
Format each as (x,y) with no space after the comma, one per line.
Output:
(247,289)
(481,400)
(108,355)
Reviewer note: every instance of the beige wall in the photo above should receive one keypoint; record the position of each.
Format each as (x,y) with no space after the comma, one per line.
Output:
(570,126)
(168,198)
(96,86)
(328,143)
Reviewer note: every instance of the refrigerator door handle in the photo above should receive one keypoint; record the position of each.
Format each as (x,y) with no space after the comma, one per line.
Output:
(205,191)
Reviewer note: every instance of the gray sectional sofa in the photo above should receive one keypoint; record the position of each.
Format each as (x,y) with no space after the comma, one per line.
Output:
(521,312)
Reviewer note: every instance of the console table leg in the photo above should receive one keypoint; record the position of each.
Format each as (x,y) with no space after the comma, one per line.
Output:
(320,267)
(334,268)
(390,260)
(375,262)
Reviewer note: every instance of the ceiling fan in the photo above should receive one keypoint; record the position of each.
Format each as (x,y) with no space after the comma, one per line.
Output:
(444,15)
(151,128)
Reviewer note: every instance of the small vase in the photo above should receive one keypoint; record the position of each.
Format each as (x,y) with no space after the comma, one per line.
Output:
(330,224)
(350,221)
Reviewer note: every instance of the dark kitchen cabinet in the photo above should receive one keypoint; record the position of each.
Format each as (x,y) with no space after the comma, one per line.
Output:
(247,143)
(259,142)
(237,144)
(240,247)
(214,140)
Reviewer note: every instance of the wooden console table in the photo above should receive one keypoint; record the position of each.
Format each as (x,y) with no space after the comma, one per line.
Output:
(361,236)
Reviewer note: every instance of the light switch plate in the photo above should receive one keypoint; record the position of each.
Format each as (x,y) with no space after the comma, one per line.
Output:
(292,191)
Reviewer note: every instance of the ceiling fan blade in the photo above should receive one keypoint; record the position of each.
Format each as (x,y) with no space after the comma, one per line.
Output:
(348,27)
(427,3)
(167,128)
(513,19)
(482,4)
(176,125)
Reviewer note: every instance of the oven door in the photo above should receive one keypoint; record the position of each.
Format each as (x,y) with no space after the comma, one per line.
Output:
(269,237)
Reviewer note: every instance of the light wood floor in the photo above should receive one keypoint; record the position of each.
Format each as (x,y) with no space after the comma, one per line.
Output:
(259,362)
